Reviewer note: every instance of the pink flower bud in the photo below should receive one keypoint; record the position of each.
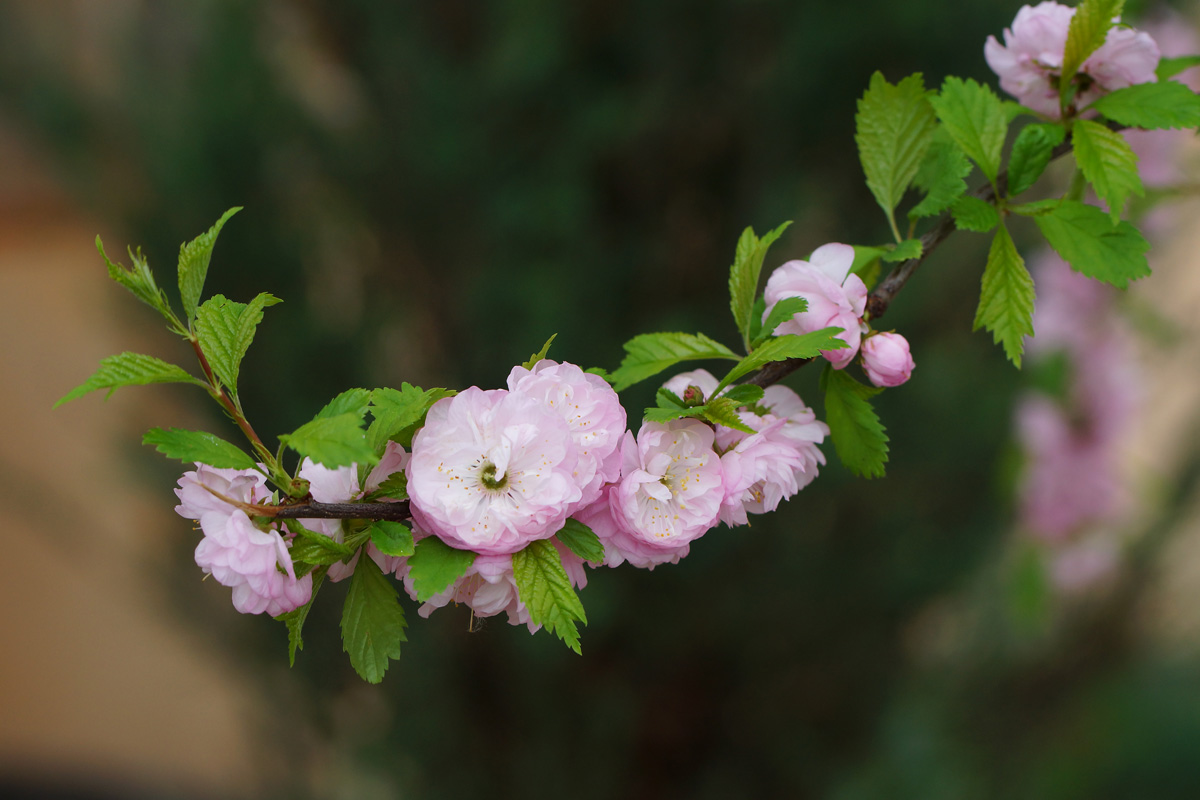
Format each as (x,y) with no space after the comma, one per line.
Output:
(886,359)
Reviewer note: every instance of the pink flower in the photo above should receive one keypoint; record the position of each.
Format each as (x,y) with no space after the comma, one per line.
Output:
(620,546)
(593,414)
(254,563)
(702,379)
(836,298)
(492,471)
(196,490)
(1030,61)
(886,359)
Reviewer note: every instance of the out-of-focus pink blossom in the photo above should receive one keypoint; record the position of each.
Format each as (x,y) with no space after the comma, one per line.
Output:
(886,359)
(492,471)
(835,296)
(1081,565)
(1030,60)
(254,563)
(592,411)
(199,489)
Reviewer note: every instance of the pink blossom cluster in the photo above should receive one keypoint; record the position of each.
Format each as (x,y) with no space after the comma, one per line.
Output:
(1030,61)
(837,297)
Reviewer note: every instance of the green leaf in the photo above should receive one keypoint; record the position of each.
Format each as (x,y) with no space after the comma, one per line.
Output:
(434,565)
(582,541)
(192,446)
(1013,110)
(665,398)
(397,411)
(1088,30)
(1031,152)
(1085,238)
(544,587)
(858,435)
(540,354)
(194,257)
(743,277)
(756,316)
(782,348)
(314,547)
(372,622)
(395,487)
(972,214)
(1037,207)
(909,248)
(941,175)
(781,312)
(893,129)
(332,441)
(225,329)
(651,353)
(724,411)
(138,279)
(1108,163)
(1170,67)
(1169,104)
(129,369)
(1006,297)
(866,263)
(745,395)
(974,117)
(295,618)
(392,538)
(351,401)
(663,414)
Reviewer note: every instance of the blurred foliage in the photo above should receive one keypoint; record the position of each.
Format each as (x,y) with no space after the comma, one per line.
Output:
(433,189)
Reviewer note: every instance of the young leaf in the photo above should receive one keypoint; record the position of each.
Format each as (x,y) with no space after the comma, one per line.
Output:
(1006,297)
(193,264)
(744,274)
(351,401)
(314,547)
(1086,239)
(1108,163)
(974,117)
(1031,153)
(909,248)
(544,587)
(858,435)
(434,565)
(1169,104)
(540,354)
(582,541)
(295,619)
(972,214)
(1170,67)
(137,279)
(192,446)
(651,353)
(724,411)
(1087,31)
(332,441)
(941,175)
(745,395)
(392,538)
(893,129)
(225,329)
(372,622)
(663,414)
(782,348)
(394,487)
(781,312)
(129,369)
(395,411)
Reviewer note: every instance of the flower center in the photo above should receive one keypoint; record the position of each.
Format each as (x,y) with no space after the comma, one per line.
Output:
(489,479)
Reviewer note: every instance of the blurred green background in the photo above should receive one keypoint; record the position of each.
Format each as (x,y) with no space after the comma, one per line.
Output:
(435,188)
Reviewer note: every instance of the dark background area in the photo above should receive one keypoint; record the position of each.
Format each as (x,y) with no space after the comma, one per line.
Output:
(434,189)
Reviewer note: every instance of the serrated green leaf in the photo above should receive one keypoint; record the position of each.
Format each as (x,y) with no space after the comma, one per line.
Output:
(909,248)
(129,369)
(893,129)
(1006,297)
(546,591)
(314,547)
(809,345)
(1037,207)
(225,329)
(972,214)
(540,354)
(351,401)
(941,175)
(397,411)
(1085,238)
(192,446)
(1013,110)
(1108,163)
(1031,152)
(372,622)
(665,398)
(1170,67)
(724,411)
(1169,104)
(582,541)
(434,565)
(392,538)
(651,353)
(1088,29)
(744,275)
(756,315)
(332,441)
(781,312)
(394,487)
(858,435)
(194,257)
(138,279)
(662,414)
(974,117)
(745,395)
(295,619)
(866,263)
